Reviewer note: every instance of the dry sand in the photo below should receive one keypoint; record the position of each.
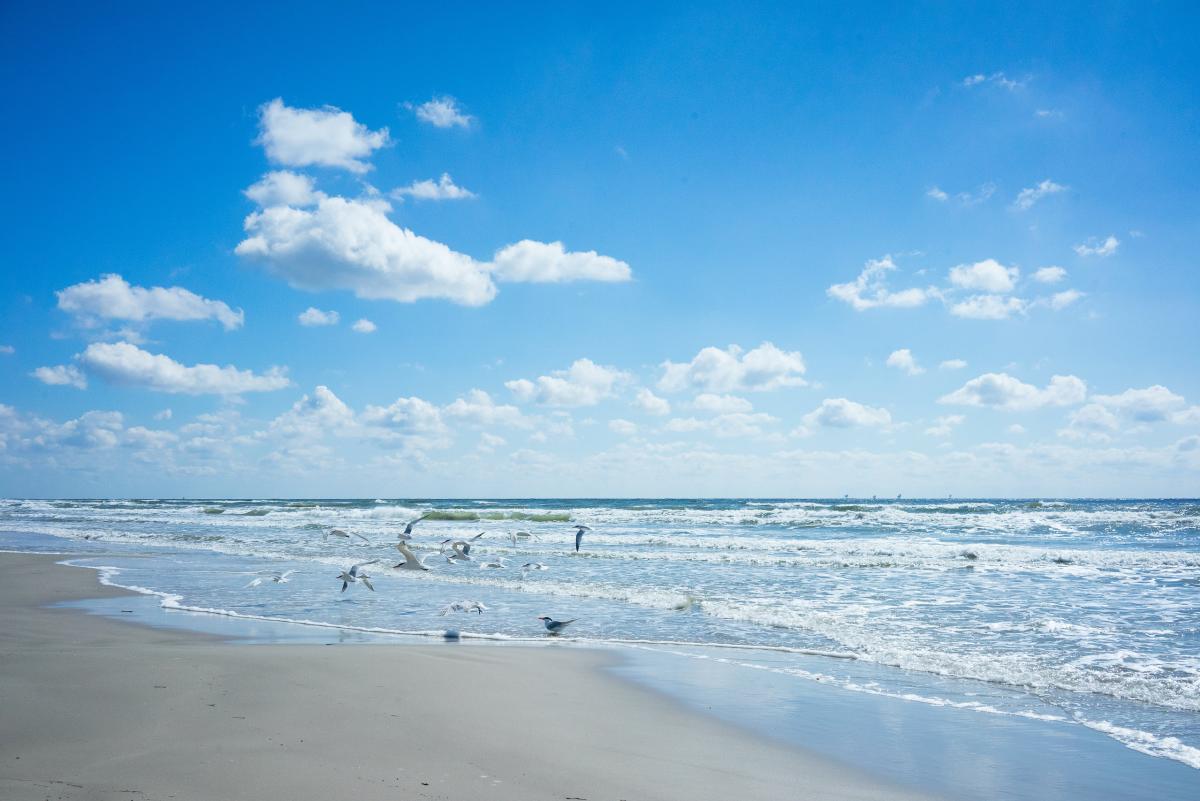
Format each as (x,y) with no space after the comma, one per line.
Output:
(92,708)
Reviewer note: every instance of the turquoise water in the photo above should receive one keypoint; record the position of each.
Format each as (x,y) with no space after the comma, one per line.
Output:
(1072,613)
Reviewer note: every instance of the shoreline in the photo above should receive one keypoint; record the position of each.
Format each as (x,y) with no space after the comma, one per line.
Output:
(96,708)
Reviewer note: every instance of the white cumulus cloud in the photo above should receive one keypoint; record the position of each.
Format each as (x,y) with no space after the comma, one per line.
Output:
(1049,275)
(1003,391)
(327,137)
(1150,405)
(952,364)
(111,297)
(988,275)
(944,426)
(623,427)
(284,188)
(364,326)
(732,369)
(584,383)
(352,245)
(123,363)
(442,112)
(988,307)
(67,375)
(650,403)
(1095,247)
(870,290)
(442,189)
(845,413)
(1027,197)
(903,359)
(549,262)
(313,316)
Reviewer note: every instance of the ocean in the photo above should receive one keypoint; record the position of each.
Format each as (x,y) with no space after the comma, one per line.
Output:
(1066,612)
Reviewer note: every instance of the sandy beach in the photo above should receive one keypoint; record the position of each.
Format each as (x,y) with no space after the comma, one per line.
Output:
(99,709)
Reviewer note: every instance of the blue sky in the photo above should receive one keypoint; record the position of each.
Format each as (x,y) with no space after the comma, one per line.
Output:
(743,249)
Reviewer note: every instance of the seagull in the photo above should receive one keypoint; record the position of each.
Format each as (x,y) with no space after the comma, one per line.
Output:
(513,536)
(411,562)
(461,547)
(579,529)
(464,606)
(408,529)
(356,573)
(555,626)
(337,532)
(525,568)
(278,578)
(499,563)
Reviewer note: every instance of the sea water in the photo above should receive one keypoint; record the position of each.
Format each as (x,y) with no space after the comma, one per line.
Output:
(1070,612)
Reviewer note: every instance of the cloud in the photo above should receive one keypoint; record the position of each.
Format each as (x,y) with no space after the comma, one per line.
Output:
(543,262)
(410,422)
(988,275)
(988,307)
(364,326)
(111,297)
(1153,404)
(123,363)
(441,112)
(443,189)
(903,359)
(937,194)
(314,416)
(66,375)
(165,414)
(1094,247)
(730,370)
(477,407)
(944,426)
(284,188)
(327,137)
(952,364)
(1027,197)
(1050,275)
(996,78)
(870,290)
(313,316)
(623,427)
(1092,421)
(650,403)
(721,404)
(7,350)
(1002,391)
(352,245)
(1061,300)
(740,425)
(584,383)
(845,413)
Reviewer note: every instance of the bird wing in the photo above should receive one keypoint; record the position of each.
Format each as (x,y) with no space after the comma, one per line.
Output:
(366,580)
(578,538)
(286,573)
(361,537)
(354,570)
(345,584)
(254,583)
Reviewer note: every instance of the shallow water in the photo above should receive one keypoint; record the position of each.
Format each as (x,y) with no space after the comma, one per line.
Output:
(1078,613)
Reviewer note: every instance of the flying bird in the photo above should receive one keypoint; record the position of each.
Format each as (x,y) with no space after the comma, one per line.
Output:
(555,626)
(579,529)
(525,568)
(277,578)
(499,563)
(408,528)
(355,573)
(337,532)
(464,606)
(461,548)
(411,562)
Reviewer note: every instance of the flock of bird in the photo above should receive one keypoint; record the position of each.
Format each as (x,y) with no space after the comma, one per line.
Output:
(454,550)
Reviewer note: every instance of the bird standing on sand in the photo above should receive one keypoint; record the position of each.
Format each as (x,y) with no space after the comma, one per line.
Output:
(278,578)
(579,529)
(411,562)
(355,573)
(555,626)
